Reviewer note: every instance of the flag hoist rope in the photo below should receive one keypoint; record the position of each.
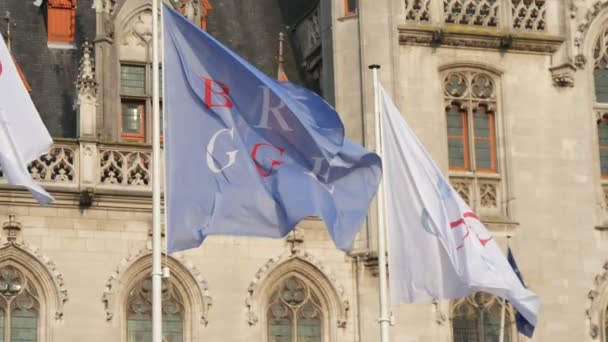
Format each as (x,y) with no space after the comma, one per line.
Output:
(384,319)
(157,333)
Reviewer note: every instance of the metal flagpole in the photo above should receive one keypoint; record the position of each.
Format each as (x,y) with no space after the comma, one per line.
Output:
(157,333)
(384,319)
(502,321)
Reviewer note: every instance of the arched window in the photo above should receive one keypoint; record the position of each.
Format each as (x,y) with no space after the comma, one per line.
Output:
(471,97)
(294,313)
(19,306)
(135,89)
(477,318)
(600,76)
(471,109)
(139,312)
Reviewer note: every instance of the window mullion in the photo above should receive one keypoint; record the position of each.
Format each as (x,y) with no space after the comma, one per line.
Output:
(482,334)
(294,331)
(473,157)
(8,322)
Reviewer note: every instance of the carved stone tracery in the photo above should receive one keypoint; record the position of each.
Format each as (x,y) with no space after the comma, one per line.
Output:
(472,12)
(184,272)
(307,267)
(597,311)
(41,267)
(131,168)
(529,15)
(418,10)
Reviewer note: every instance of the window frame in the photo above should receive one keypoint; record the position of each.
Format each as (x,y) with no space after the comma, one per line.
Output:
(177,293)
(602,121)
(510,324)
(492,139)
(147,112)
(348,13)
(469,86)
(38,297)
(328,331)
(464,119)
(468,106)
(313,297)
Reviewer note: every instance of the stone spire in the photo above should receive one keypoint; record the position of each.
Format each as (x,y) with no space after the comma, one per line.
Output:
(281,76)
(85,83)
(87,94)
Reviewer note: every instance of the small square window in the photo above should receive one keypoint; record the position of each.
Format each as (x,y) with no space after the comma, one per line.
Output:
(133,121)
(133,79)
(351,7)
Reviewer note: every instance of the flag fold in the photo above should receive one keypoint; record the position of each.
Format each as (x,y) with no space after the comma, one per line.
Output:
(23,136)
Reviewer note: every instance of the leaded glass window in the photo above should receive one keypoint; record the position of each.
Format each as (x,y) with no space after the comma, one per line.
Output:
(477,318)
(19,307)
(136,101)
(294,313)
(139,313)
(602,129)
(600,71)
(470,110)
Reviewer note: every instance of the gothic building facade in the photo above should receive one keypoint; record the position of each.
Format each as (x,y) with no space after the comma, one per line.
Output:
(509,96)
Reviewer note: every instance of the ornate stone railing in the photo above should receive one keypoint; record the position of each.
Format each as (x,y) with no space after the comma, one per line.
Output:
(481,193)
(488,24)
(58,168)
(524,15)
(88,166)
(121,167)
(485,194)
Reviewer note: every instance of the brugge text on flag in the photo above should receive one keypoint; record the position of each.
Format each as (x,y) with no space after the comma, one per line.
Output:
(438,247)
(247,155)
(23,136)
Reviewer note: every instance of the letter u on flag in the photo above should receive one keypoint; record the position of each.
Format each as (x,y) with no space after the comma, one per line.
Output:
(247,155)
(438,247)
(23,136)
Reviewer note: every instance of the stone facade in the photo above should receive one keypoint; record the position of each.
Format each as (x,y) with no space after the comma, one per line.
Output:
(85,256)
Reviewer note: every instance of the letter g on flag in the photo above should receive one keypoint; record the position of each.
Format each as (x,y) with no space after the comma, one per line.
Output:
(211,161)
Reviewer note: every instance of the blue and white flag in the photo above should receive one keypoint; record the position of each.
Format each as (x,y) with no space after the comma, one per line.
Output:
(247,155)
(23,136)
(439,249)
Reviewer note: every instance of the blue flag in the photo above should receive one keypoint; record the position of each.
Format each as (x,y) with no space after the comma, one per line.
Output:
(523,326)
(247,155)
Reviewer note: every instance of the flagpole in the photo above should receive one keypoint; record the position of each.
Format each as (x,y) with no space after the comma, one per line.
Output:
(157,333)
(502,321)
(384,319)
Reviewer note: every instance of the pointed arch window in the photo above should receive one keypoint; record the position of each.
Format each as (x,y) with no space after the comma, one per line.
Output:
(600,76)
(471,99)
(139,312)
(600,70)
(477,318)
(472,116)
(294,313)
(19,307)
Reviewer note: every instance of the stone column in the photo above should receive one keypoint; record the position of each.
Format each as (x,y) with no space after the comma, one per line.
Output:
(87,120)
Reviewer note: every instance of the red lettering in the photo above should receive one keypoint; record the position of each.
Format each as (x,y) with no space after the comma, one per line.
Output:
(274,163)
(222,91)
(461,221)
(0,68)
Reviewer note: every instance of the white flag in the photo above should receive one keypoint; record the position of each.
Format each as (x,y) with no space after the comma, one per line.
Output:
(23,136)
(438,247)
